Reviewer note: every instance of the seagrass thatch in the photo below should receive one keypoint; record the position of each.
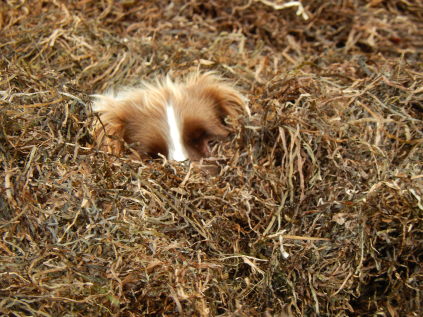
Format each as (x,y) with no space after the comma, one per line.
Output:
(317,209)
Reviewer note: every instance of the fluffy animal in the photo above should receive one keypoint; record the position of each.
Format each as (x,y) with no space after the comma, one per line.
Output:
(175,119)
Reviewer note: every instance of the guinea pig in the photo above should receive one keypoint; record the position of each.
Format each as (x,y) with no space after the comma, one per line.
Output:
(175,119)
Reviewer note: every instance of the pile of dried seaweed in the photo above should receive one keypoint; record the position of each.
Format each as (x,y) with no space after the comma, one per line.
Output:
(317,210)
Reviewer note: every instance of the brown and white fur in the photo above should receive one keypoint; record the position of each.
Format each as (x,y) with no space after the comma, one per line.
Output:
(175,119)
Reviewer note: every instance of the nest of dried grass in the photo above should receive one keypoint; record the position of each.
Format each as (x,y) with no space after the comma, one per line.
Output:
(317,210)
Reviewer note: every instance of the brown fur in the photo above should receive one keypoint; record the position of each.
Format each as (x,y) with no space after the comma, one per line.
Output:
(137,117)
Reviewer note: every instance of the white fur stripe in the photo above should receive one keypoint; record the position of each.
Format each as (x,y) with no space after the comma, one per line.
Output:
(177,150)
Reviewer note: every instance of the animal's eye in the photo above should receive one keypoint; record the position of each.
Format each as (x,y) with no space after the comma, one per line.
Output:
(153,155)
(198,137)
(153,149)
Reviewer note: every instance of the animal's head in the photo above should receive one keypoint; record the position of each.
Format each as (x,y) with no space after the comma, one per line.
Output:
(175,119)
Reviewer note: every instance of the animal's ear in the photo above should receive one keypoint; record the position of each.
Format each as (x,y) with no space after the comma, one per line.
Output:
(227,100)
(109,129)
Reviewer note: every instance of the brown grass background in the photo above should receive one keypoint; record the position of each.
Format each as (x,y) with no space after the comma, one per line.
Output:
(327,170)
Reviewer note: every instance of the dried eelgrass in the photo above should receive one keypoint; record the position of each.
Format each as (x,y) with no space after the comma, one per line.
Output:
(317,208)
